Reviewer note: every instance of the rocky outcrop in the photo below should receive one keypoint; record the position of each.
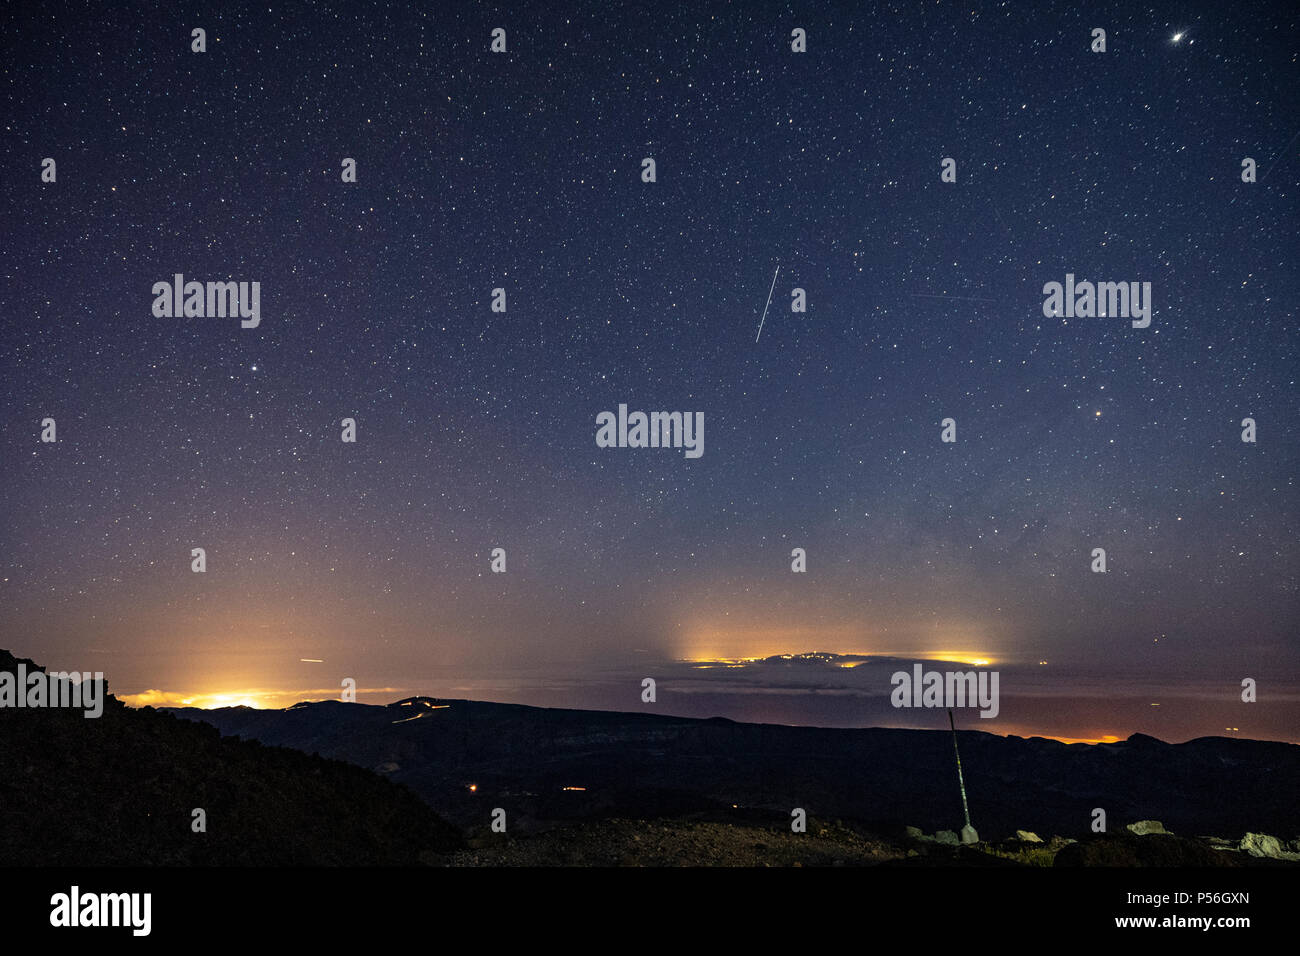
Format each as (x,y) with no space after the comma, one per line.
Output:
(1145,827)
(1267,847)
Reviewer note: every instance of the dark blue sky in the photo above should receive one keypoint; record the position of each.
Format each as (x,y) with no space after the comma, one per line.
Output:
(476,429)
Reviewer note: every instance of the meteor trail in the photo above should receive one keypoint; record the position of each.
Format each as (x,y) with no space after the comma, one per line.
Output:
(969,298)
(769,302)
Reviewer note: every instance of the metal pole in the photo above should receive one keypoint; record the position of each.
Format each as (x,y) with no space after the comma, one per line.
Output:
(968,834)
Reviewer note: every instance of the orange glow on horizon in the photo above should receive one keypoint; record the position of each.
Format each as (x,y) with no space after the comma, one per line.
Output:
(971,658)
(1107,739)
(258,698)
(738,636)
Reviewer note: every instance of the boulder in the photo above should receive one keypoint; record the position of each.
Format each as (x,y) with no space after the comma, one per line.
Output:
(1144,827)
(1261,844)
(1025,836)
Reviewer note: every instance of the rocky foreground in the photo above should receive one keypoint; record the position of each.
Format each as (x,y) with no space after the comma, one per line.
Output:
(685,842)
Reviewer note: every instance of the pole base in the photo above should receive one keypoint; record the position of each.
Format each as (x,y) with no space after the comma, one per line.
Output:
(968,834)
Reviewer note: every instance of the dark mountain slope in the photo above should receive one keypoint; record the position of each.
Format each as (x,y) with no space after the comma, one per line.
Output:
(647,765)
(120,789)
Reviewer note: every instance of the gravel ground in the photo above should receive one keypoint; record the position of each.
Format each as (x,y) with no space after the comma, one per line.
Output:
(676,843)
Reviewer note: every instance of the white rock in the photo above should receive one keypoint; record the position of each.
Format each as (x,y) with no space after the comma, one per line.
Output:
(1143,827)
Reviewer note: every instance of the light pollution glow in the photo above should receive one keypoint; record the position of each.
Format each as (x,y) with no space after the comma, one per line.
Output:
(739,639)
(955,657)
(257,698)
(1069,708)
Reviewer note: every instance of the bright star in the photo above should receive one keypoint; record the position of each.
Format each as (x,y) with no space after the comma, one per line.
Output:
(1177,37)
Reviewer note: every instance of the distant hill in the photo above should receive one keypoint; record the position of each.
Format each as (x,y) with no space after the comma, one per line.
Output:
(120,790)
(647,766)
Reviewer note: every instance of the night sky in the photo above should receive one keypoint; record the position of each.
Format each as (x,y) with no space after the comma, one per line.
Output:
(476,429)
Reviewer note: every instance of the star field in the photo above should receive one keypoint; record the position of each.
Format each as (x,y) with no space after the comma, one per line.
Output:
(522,170)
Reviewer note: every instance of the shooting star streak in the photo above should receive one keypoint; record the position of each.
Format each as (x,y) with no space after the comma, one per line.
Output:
(309,660)
(1272,164)
(1279,156)
(1003,221)
(769,302)
(968,298)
